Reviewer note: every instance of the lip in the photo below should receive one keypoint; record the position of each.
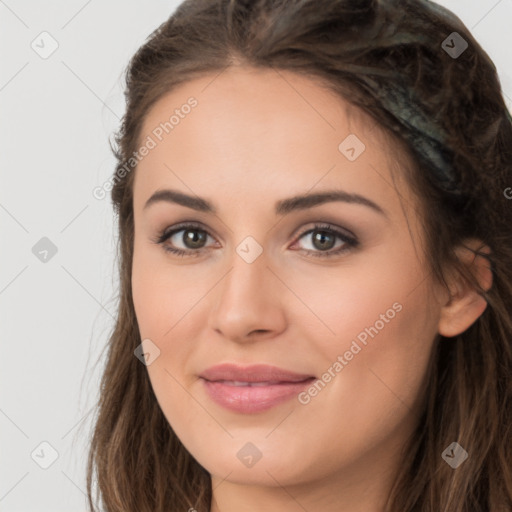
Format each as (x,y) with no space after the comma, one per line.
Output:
(252,373)
(254,388)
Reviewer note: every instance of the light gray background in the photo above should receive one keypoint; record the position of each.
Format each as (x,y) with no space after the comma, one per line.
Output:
(56,118)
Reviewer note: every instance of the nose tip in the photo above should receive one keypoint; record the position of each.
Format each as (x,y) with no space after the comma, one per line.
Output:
(246,305)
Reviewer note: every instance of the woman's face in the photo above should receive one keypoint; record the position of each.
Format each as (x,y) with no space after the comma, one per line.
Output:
(260,285)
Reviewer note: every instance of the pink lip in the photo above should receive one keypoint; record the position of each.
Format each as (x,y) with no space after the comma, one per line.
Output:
(276,385)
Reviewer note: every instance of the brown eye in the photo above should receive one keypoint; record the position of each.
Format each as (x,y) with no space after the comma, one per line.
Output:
(323,241)
(193,238)
(184,240)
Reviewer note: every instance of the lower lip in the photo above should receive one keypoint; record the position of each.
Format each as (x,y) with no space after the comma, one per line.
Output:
(252,399)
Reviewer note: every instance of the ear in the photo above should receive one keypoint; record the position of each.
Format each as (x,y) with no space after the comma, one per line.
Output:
(466,305)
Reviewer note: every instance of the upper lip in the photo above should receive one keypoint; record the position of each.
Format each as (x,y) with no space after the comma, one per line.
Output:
(252,373)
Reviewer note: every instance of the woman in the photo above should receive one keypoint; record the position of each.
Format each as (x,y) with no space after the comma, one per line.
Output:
(315,263)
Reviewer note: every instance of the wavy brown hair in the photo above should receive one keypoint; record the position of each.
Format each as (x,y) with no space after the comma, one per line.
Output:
(448,115)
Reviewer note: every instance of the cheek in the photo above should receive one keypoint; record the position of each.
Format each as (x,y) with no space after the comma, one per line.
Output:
(161,304)
(166,303)
(379,317)
(350,297)
(384,358)
(161,296)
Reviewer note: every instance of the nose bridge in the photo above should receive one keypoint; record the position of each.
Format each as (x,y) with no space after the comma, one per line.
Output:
(245,299)
(248,276)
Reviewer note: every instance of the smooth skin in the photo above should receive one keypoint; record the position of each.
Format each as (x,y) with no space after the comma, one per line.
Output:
(257,137)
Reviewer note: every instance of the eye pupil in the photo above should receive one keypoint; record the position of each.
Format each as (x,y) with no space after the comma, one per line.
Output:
(193,237)
(321,236)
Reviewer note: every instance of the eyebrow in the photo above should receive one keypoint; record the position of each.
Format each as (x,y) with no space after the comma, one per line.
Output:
(282,207)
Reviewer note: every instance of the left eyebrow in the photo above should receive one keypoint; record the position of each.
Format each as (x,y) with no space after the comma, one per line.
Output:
(309,200)
(282,207)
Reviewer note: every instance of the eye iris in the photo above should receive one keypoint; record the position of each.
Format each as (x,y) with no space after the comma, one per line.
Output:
(320,237)
(193,238)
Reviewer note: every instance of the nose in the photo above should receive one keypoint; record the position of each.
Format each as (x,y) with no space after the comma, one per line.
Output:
(248,302)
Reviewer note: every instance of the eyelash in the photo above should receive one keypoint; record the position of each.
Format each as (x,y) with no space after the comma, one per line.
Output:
(350,242)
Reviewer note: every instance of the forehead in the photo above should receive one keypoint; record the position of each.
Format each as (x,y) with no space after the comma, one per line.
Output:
(246,100)
(259,131)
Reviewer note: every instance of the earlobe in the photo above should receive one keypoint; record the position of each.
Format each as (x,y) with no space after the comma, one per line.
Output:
(466,304)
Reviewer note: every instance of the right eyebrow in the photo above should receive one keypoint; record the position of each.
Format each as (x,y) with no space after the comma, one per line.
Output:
(174,196)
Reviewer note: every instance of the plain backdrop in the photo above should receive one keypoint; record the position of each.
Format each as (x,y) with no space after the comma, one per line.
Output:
(58,275)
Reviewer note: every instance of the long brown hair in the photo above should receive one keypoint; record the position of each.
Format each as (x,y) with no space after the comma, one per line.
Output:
(395,60)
